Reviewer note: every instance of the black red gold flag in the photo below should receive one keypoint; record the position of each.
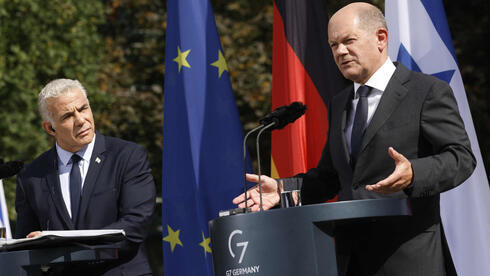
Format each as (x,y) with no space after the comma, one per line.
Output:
(303,70)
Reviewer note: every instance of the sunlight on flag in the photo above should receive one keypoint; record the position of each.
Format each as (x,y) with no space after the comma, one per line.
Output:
(420,39)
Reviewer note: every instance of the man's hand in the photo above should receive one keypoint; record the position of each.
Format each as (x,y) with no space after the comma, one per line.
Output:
(34,234)
(270,194)
(400,178)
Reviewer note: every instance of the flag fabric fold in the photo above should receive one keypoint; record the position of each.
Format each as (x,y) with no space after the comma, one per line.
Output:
(420,39)
(302,70)
(4,215)
(202,138)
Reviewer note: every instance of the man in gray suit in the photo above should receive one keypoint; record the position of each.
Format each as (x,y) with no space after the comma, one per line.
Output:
(393,133)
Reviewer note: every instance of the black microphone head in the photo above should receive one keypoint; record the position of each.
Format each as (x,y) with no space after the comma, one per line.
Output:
(294,111)
(273,116)
(10,168)
(284,115)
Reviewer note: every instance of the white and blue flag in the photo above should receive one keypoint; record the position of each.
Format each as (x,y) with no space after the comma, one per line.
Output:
(419,38)
(4,216)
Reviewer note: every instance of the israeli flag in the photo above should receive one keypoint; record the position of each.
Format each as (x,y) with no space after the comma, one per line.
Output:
(4,216)
(419,38)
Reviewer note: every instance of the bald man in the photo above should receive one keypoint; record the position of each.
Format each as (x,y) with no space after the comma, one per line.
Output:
(394,133)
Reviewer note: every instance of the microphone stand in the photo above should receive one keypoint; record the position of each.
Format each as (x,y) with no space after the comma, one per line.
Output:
(258,160)
(245,163)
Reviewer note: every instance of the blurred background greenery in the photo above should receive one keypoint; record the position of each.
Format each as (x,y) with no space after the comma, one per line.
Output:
(116,49)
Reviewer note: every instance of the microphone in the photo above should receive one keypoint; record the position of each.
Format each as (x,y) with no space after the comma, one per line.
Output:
(246,209)
(245,165)
(10,168)
(277,119)
(269,126)
(283,115)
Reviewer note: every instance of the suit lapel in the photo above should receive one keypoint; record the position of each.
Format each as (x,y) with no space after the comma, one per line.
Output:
(53,181)
(340,110)
(96,163)
(392,96)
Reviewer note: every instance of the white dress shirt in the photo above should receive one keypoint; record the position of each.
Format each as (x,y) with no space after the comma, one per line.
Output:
(64,168)
(378,81)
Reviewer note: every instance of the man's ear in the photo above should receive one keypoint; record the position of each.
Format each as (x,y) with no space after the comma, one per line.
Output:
(382,35)
(48,127)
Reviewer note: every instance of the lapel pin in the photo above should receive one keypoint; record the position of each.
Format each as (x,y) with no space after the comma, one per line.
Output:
(97,160)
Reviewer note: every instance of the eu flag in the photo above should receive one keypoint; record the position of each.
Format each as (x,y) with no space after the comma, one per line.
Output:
(202,136)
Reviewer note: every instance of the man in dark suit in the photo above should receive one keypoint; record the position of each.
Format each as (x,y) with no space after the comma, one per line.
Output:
(86,181)
(393,133)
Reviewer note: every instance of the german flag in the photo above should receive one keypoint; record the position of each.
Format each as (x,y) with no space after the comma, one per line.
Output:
(303,70)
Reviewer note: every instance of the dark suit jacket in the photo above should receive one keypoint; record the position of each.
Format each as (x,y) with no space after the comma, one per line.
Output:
(118,193)
(417,116)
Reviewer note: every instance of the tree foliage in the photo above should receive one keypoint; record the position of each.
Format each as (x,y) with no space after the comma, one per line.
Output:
(133,61)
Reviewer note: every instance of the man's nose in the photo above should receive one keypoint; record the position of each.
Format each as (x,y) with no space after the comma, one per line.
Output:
(78,118)
(341,50)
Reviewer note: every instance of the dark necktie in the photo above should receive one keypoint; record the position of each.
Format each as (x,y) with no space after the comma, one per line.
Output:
(360,122)
(75,187)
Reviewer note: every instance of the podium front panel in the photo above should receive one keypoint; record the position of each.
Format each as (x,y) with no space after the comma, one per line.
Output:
(291,241)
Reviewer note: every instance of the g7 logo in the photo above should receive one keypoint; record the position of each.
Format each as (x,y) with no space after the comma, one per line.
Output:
(239,244)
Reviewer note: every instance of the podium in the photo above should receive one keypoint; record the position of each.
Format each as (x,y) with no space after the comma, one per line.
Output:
(33,262)
(291,241)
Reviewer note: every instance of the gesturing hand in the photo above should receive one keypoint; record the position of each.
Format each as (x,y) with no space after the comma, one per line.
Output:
(399,179)
(270,195)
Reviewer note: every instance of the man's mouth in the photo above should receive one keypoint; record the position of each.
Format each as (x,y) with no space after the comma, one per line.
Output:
(347,62)
(83,132)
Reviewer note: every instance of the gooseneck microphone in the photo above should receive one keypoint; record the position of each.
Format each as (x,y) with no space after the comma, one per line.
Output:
(284,115)
(269,126)
(245,164)
(10,168)
(277,119)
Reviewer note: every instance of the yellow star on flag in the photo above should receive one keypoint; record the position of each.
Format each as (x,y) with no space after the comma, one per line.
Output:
(181,58)
(220,63)
(205,244)
(173,238)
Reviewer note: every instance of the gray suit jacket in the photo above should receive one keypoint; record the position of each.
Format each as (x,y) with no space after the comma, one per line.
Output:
(417,116)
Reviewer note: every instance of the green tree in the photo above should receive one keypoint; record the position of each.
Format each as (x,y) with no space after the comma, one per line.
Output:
(133,75)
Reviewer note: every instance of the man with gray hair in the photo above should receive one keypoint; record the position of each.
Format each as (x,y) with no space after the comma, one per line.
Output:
(86,181)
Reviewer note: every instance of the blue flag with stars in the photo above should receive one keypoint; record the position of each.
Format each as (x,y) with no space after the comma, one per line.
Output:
(202,138)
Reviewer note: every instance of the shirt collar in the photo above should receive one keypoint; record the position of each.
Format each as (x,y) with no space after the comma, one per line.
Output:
(379,80)
(65,156)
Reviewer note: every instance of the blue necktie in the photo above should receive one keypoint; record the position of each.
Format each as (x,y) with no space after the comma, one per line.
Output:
(75,187)
(360,123)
